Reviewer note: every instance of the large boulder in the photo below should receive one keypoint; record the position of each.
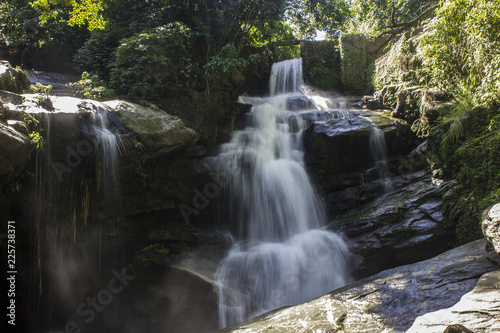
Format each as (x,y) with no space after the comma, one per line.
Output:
(13,79)
(14,148)
(401,227)
(491,226)
(160,132)
(388,301)
(339,150)
(478,310)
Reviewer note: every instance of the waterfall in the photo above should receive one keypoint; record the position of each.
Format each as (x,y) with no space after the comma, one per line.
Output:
(286,77)
(107,161)
(76,204)
(378,153)
(282,257)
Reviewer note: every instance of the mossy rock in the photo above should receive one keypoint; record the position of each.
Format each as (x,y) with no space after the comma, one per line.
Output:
(160,132)
(151,252)
(353,54)
(13,79)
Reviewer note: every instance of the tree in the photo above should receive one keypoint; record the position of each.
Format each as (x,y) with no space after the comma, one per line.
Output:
(82,12)
(308,16)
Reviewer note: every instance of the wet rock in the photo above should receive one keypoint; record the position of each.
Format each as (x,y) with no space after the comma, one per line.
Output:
(386,302)
(13,79)
(397,228)
(491,226)
(19,125)
(371,103)
(477,311)
(161,133)
(162,298)
(60,82)
(14,148)
(457,329)
(340,146)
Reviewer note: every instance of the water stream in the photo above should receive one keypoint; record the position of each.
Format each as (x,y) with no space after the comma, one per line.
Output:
(76,204)
(281,256)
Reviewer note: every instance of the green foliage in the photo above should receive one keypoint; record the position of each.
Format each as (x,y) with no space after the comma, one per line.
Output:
(370,16)
(39,88)
(96,54)
(82,12)
(91,86)
(224,66)
(42,96)
(321,62)
(33,125)
(460,49)
(325,15)
(154,64)
(21,27)
(400,65)
(454,119)
(475,163)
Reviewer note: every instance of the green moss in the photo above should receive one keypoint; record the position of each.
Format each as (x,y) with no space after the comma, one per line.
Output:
(151,252)
(370,78)
(353,53)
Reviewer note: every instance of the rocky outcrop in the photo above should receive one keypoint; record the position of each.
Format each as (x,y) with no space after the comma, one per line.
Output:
(491,226)
(401,227)
(13,79)
(388,301)
(477,311)
(14,148)
(338,151)
(160,132)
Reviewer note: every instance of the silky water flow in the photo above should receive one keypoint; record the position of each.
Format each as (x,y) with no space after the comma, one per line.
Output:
(281,255)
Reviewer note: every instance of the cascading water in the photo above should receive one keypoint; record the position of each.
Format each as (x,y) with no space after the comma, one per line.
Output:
(76,202)
(282,256)
(378,152)
(107,161)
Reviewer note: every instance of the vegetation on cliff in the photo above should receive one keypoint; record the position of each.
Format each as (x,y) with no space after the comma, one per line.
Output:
(446,70)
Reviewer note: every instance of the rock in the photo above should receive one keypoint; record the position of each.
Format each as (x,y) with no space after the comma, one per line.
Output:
(401,227)
(160,298)
(13,79)
(386,302)
(161,133)
(14,148)
(478,310)
(457,329)
(19,125)
(371,103)
(491,226)
(173,232)
(10,102)
(341,145)
(61,83)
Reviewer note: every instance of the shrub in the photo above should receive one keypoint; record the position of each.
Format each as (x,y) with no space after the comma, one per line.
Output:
(91,86)
(154,64)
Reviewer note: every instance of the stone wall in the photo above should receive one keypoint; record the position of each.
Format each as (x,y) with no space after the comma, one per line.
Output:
(353,53)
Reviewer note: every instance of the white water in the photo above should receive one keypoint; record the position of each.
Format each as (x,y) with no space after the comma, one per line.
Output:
(107,157)
(378,152)
(282,256)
